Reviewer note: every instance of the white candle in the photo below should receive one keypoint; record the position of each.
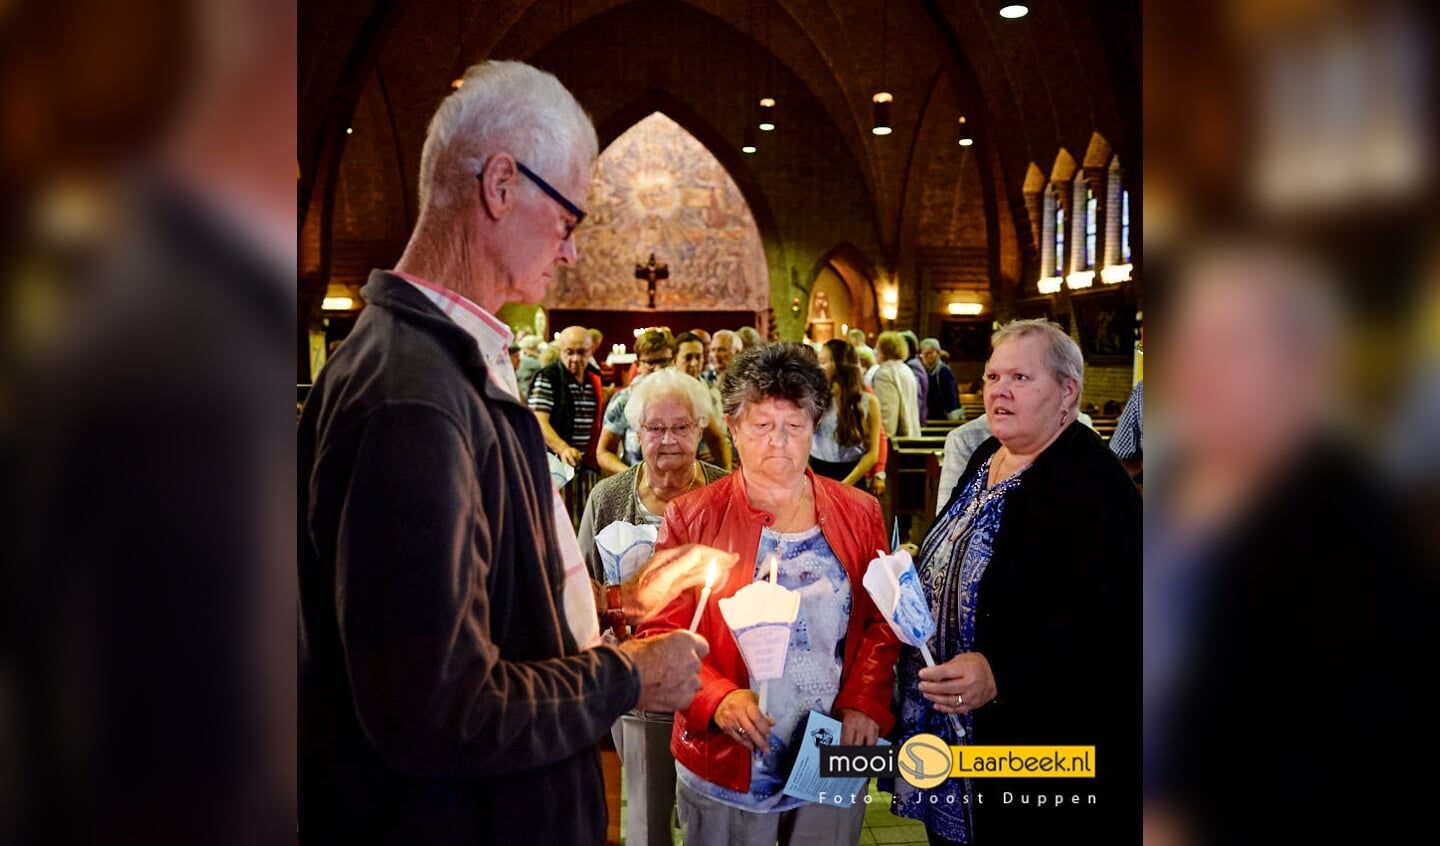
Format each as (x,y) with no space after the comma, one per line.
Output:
(773,562)
(705,594)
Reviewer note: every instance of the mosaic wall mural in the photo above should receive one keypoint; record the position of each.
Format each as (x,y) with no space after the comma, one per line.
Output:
(658,190)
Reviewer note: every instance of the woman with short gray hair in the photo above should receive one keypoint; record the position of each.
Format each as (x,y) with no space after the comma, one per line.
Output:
(732,760)
(1062,354)
(668,410)
(1042,532)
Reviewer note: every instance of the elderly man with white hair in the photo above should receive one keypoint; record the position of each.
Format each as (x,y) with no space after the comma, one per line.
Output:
(452,681)
(723,349)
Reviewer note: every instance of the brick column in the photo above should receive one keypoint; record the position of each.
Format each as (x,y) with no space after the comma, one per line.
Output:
(1035,210)
(1076,239)
(1112,213)
(1095,181)
(1047,234)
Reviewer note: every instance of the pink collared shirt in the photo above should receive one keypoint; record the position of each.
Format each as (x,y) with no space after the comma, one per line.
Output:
(492,336)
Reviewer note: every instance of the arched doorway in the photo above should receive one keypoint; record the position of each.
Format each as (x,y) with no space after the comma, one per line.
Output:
(846,280)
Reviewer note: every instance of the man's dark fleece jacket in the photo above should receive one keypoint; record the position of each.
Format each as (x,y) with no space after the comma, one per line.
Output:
(442,697)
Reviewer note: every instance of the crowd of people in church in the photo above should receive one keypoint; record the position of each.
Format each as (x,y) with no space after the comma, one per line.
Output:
(470,631)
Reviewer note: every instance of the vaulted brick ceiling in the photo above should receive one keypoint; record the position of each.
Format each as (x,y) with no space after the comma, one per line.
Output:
(1028,88)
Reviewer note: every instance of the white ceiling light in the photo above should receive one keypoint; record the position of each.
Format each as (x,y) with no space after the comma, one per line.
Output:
(767,114)
(881,108)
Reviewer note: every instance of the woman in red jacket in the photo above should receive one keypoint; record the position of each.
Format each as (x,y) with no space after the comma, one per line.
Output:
(731,760)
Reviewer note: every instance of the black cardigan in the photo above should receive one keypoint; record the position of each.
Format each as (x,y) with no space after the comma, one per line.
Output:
(1058,618)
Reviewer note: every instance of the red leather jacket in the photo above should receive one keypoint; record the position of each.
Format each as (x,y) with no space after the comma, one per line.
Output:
(720,515)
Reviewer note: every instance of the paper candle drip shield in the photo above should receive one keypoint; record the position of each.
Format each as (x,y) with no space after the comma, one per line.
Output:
(895,587)
(760,616)
(623,548)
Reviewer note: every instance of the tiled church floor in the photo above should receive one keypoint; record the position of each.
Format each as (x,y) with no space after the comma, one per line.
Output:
(881,826)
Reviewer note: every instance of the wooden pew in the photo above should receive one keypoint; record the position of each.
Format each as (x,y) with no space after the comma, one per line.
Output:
(930,442)
(1105,425)
(932,484)
(908,488)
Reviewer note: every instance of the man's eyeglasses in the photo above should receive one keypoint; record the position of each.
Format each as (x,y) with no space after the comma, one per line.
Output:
(574,210)
(679,430)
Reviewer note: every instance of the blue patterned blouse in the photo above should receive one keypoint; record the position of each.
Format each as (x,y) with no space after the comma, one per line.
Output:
(812,665)
(952,563)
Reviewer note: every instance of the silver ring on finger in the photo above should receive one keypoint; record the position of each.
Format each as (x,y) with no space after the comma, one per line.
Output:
(959,700)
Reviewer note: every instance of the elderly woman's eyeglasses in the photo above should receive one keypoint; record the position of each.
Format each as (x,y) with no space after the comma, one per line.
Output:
(679,430)
(550,191)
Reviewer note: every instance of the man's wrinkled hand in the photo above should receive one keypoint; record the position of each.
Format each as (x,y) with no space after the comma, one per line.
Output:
(670,573)
(669,668)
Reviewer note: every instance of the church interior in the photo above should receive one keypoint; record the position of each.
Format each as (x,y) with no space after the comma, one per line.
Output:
(800,167)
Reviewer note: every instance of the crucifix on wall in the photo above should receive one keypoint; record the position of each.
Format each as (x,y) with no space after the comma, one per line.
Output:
(652,272)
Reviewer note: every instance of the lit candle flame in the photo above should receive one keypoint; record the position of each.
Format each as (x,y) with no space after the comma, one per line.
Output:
(710,577)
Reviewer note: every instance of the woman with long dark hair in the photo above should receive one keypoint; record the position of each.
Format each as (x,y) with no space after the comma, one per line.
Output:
(847,441)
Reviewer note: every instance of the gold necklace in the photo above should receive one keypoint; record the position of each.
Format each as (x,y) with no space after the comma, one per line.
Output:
(799,504)
(696,479)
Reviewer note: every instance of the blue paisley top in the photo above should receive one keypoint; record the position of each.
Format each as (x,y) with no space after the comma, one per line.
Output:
(952,562)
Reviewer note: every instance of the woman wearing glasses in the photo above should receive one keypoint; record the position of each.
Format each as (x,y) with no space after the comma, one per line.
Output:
(668,411)
(731,759)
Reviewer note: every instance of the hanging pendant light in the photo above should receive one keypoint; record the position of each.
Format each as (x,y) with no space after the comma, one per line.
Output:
(880,106)
(880,103)
(459,78)
(747,141)
(767,114)
(767,103)
(965,139)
